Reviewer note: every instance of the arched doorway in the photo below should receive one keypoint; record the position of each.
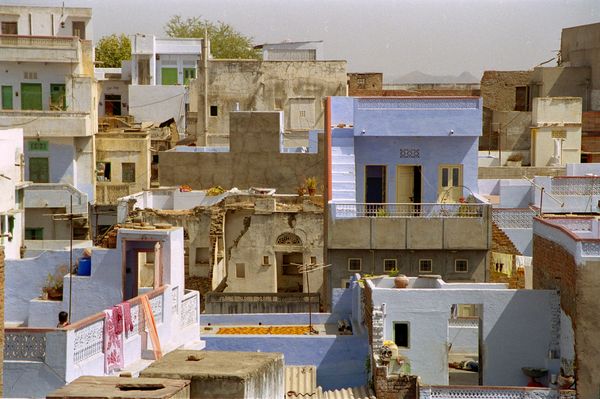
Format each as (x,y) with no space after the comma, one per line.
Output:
(289,253)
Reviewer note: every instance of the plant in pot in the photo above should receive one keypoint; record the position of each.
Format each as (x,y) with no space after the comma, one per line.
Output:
(53,287)
(300,190)
(515,160)
(311,185)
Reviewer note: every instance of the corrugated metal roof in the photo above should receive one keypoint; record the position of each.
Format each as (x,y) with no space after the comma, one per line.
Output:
(348,393)
(300,380)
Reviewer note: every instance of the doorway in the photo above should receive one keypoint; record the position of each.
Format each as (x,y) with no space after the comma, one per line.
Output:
(408,184)
(465,340)
(112,104)
(141,267)
(58,98)
(31,96)
(289,279)
(450,178)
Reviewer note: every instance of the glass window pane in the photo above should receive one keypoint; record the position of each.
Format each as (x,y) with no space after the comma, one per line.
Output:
(444,177)
(455,173)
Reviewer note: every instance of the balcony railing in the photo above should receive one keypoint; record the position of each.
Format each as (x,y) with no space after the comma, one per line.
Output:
(365,210)
(56,42)
(242,302)
(483,392)
(576,185)
(517,218)
(60,49)
(109,193)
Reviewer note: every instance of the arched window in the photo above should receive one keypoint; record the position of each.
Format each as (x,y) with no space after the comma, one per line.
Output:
(288,239)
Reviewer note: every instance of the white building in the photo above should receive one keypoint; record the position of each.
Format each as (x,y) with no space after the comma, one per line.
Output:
(293,51)
(556,131)
(40,357)
(11,194)
(161,69)
(507,329)
(48,90)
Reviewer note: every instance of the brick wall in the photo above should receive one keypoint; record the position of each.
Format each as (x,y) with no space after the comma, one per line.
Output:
(395,386)
(552,266)
(359,83)
(498,88)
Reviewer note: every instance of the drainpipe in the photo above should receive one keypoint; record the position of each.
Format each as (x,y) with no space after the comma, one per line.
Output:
(205,51)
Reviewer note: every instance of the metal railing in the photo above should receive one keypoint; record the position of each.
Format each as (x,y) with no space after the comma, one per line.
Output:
(483,392)
(421,210)
(234,303)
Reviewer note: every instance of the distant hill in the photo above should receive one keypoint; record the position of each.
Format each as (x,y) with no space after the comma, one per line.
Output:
(420,77)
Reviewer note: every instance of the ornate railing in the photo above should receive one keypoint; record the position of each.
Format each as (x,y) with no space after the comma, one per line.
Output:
(576,185)
(109,193)
(242,302)
(190,308)
(361,210)
(517,218)
(590,248)
(157,305)
(24,344)
(482,392)
(175,300)
(89,340)
(575,224)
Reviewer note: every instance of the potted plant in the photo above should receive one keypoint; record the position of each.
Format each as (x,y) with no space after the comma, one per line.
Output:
(300,190)
(53,287)
(311,185)
(515,160)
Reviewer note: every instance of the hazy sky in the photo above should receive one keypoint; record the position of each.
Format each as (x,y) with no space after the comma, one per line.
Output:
(390,36)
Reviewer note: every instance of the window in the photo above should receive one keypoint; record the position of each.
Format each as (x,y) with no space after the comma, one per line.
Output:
(30,75)
(313,260)
(103,171)
(31,96)
(389,265)
(7,97)
(79,29)
(37,145)
(461,265)
(58,98)
(425,266)
(240,270)
(9,28)
(168,76)
(202,255)
(6,230)
(214,110)
(302,114)
(401,334)
(354,264)
(266,260)
(35,233)
(188,73)
(128,172)
(521,98)
(361,83)
(39,170)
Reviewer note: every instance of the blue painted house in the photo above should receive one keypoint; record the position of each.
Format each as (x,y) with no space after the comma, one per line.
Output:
(399,174)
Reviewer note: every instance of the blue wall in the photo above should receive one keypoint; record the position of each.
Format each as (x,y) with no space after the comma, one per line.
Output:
(340,360)
(342,110)
(433,152)
(418,116)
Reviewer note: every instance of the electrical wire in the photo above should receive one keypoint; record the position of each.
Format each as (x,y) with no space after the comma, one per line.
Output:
(156,102)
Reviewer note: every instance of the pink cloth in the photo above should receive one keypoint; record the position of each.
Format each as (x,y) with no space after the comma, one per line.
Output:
(126,309)
(113,344)
(117,318)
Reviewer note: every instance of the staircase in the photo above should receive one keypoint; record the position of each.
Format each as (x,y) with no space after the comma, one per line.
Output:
(343,168)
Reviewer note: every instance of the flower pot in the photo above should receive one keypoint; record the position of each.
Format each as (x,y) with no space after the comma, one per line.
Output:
(312,191)
(54,294)
(401,281)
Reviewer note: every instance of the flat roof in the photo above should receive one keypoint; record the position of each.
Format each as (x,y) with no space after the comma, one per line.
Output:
(189,363)
(120,387)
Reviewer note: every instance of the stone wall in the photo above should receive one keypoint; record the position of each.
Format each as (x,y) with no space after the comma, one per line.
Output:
(395,386)
(358,83)
(498,88)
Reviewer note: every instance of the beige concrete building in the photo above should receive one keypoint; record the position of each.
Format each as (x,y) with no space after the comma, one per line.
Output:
(255,158)
(295,87)
(122,164)
(556,131)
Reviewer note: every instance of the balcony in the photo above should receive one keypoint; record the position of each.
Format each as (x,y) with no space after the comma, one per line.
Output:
(409,226)
(53,49)
(55,195)
(48,123)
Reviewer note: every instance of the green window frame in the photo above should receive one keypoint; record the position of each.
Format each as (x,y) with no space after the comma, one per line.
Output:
(188,73)
(34,233)
(168,76)
(7,97)
(31,96)
(39,170)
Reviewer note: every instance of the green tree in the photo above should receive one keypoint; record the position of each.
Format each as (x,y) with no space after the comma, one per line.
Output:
(225,41)
(113,49)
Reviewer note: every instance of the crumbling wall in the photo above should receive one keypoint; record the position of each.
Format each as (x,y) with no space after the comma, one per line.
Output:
(498,88)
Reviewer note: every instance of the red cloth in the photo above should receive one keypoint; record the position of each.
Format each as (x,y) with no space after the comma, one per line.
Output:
(113,345)
(126,310)
(117,319)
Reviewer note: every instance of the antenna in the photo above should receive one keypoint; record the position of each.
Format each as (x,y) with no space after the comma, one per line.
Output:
(305,269)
